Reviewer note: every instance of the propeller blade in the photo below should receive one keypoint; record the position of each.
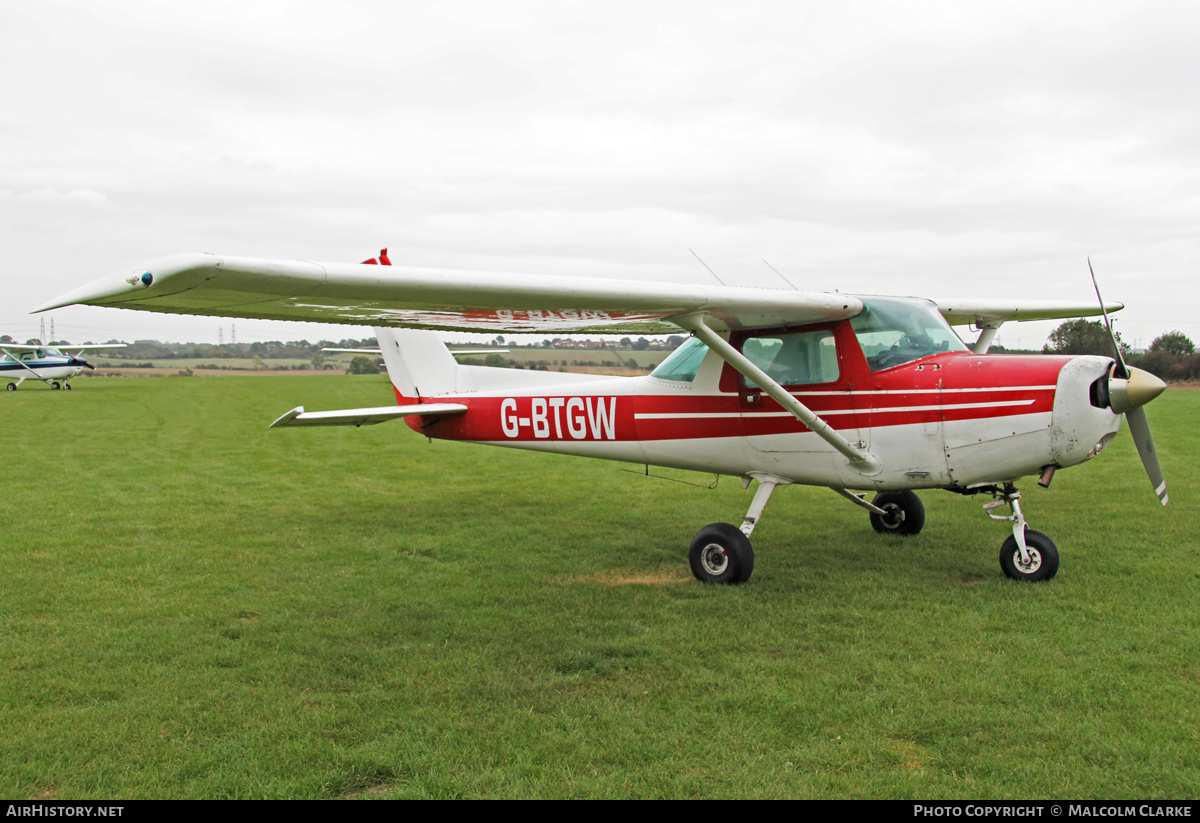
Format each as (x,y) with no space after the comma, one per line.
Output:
(1139,427)
(1123,371)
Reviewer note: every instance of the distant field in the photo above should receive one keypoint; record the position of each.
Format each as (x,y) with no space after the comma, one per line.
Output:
(552,359)
(245,363)
(194,606)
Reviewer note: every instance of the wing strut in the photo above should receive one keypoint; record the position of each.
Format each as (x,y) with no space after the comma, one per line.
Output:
(860,460)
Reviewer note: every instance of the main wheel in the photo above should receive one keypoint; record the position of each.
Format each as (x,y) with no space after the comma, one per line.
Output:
(11,387)
(905,513)
(1043,557)
(720,553)
(54,384)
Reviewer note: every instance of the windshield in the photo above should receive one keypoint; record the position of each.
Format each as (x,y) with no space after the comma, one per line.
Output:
(682,364)
(895,330)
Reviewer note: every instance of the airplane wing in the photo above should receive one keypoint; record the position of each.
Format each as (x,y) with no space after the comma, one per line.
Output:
(365,295)
(984,312)
(457,300)
(363,417)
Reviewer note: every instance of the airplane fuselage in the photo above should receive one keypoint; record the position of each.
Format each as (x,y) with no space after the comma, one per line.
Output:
(948,420)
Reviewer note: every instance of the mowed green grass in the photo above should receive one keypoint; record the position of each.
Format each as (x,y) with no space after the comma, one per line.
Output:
(192,606)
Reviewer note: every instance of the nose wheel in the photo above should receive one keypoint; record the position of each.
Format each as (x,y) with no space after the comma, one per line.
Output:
(1039,563)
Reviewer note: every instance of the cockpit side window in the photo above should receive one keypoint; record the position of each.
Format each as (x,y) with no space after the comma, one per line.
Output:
(799,358)
(682,364)
(894,331)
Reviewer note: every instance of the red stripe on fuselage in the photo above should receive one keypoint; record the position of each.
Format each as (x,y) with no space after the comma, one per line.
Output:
(948,387)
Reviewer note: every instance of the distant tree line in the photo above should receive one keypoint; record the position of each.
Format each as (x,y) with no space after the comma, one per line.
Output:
(1172,355)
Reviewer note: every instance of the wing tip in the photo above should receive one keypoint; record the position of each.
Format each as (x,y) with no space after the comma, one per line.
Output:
(287,418)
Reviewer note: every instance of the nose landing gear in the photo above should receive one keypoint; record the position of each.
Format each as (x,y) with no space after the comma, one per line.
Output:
(1027,554)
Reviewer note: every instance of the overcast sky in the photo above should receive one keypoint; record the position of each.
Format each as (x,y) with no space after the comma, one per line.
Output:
(870,147)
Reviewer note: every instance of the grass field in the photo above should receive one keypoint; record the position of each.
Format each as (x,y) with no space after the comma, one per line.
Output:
(192,606)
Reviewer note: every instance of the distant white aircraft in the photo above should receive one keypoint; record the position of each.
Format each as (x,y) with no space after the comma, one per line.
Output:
(46,363)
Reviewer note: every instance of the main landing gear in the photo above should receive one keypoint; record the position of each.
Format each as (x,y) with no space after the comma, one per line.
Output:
(721,552)
(904,513)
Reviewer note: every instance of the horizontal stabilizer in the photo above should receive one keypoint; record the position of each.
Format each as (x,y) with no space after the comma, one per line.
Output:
(362,417)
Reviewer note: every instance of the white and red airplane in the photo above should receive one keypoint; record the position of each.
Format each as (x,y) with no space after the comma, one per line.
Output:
(855,393)
(49,364)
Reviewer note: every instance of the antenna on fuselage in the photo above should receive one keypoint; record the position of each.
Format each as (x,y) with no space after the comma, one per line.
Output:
(777,271)
(710,271)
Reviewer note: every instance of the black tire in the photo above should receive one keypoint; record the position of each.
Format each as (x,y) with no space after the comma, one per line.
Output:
(1043,557)
(720,553)
(66,386)
(905,513)
(11,387)
(54,384)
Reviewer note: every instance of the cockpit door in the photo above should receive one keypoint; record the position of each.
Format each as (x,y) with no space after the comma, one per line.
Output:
(808,363)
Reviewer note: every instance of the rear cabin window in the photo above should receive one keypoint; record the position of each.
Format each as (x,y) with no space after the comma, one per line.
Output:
(798,358)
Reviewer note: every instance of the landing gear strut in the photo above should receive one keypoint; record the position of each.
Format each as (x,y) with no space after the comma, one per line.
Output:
(1027,554)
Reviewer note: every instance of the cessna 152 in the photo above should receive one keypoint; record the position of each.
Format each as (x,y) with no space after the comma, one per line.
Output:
(857,394)
(46,363)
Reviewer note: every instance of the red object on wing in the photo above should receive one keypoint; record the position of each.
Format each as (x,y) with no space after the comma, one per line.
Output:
(382,260)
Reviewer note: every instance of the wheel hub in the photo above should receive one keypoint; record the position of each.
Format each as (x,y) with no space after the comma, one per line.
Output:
(714,558)
(894,516)
(1035,560)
